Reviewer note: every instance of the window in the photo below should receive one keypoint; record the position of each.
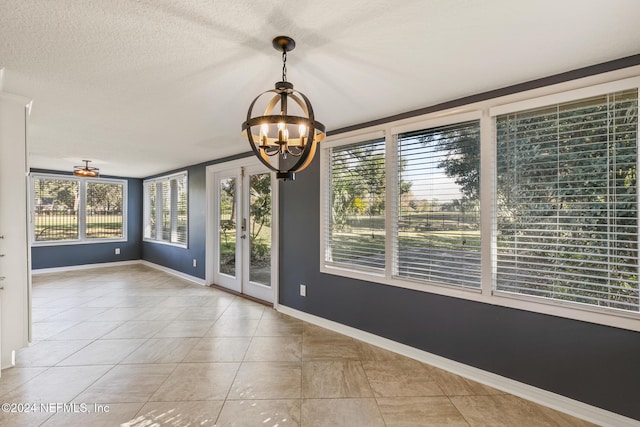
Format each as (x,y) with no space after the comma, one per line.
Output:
(567,201)
(104,210)
(438,213)
(433,229)
(356,221)
(67,209)
(555,176)
(165,209)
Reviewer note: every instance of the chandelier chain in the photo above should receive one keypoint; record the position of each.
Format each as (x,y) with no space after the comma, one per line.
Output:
(284,65)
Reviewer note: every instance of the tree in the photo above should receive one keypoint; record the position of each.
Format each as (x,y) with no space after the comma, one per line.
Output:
(359,181)
(104,197)
(460,144)
(567,193)
(63,194)
(260,206)
(227,209)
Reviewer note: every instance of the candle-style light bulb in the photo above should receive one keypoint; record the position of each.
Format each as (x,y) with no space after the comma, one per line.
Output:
(264,131)
(281,131)
(302,129)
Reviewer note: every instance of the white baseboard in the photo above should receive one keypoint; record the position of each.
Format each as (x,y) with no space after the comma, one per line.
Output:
(83,267)
(176,273)
(120,263)
(543,397)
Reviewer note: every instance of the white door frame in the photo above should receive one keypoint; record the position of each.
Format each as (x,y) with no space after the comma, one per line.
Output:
(212,212)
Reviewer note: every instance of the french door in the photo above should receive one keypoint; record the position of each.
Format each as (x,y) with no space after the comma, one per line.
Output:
(244,234)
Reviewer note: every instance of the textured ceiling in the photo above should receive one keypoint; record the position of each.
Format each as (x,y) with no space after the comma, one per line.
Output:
(142,87)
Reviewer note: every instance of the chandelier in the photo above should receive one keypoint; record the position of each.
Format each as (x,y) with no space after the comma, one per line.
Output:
(86,171)
(285,136)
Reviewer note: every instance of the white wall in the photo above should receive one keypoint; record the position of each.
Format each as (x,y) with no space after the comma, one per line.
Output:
(14,265)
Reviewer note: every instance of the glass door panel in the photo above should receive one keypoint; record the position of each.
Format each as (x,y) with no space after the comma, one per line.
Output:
(260,228)
(257,233)
(227,226)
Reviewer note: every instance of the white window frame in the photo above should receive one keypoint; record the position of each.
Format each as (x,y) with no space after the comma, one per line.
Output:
(82,204)
(173,209)
(426,125)
(325,189)
(389,132)
(486,111)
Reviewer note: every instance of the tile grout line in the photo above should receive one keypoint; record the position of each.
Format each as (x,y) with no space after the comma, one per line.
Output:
(302,363)
(226,398)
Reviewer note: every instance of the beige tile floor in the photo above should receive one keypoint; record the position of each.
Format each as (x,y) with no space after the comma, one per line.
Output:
(156,350)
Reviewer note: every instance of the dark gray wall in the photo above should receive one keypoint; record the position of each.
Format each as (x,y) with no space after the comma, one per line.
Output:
(97,253)
(594,364)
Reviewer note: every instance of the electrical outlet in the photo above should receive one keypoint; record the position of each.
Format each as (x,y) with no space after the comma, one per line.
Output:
(303,290)
(194,262)
(117,251)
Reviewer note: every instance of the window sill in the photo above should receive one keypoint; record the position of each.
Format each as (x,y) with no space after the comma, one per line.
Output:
(162,242)
(76,242)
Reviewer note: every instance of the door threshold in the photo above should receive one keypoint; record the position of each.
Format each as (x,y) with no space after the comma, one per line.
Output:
(238,294)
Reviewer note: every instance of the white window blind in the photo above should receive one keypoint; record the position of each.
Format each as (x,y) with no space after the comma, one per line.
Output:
(438,210)
(150,229)
(166,209)
(165,188)
(355,232)
(567,201)
(181,218)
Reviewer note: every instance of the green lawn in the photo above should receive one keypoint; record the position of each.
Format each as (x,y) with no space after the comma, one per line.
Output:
(65,227)
(443,231)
